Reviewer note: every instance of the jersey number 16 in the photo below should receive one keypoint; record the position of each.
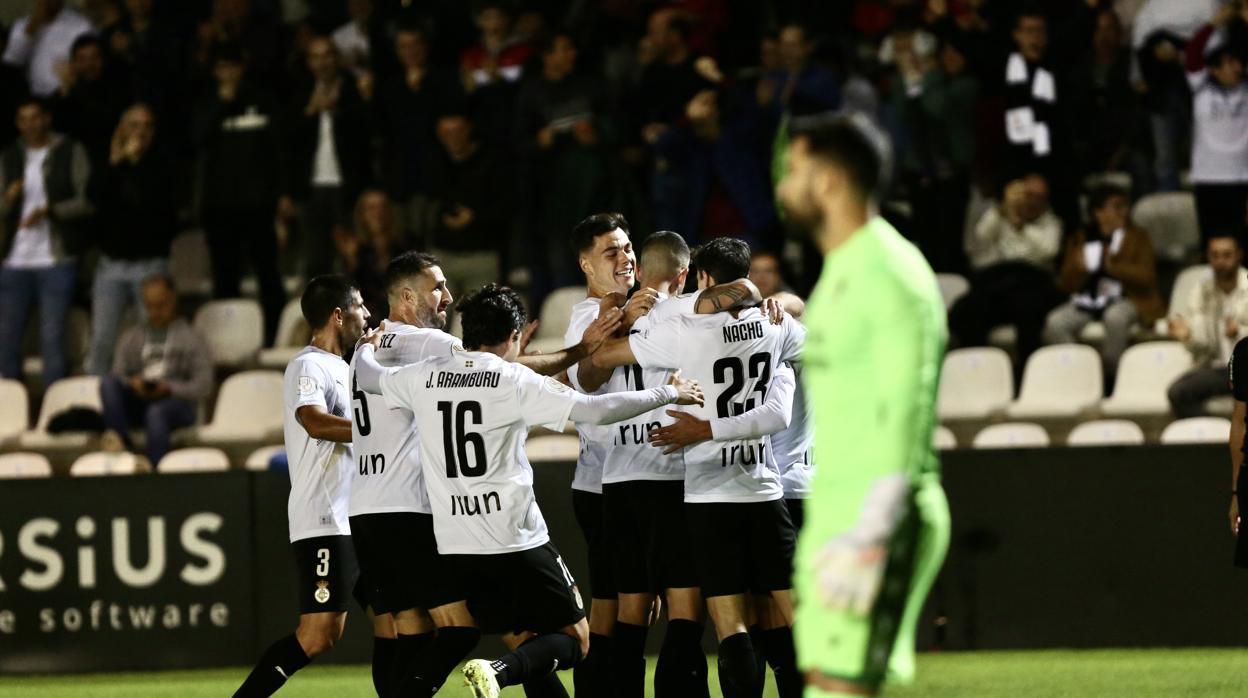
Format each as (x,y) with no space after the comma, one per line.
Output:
(456,439)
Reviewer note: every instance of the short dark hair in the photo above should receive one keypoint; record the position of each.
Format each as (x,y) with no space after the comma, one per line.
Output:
(667,249)
(86,40)
(1029,10)
(725,259)
(490,314)
(851,142)
(598,224)
(322,295)
(1099,195)
(406,265)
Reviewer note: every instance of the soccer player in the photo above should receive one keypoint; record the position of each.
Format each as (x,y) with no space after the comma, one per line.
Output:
(318,444)
(391,519)
(743,538)
(877,523)
(494,542)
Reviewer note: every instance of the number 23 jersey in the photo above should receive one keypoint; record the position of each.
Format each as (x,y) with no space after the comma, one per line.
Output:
(473,411)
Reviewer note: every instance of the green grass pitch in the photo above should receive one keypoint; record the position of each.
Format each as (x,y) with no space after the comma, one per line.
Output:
(1135,673)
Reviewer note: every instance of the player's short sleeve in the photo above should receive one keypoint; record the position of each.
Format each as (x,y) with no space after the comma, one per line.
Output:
(583,315)
(401,386)
(658,346)
(542,400)
(311,383)
(1237,371)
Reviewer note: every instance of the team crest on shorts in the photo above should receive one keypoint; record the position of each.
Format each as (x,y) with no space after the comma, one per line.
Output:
(322,591)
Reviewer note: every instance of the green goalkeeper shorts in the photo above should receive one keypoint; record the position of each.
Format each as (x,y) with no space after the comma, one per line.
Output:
(871,649)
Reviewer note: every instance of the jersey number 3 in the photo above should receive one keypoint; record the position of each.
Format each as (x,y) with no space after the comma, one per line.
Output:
(731,369)
(456,439)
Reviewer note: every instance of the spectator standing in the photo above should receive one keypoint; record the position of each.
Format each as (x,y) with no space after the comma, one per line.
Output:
(798,77)
(330,152)
(669,77)
(43,206)
(137,223)
(90,99)
(1219,131)
(1109,129)
(491,69)
(1011,250)
(242,177)
(41,40)
(161,373)
(1111,273)
(767,273)
(354,39)
(366,250)
(1213,318)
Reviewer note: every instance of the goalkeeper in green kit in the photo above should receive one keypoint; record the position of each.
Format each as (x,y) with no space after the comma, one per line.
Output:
(877,523)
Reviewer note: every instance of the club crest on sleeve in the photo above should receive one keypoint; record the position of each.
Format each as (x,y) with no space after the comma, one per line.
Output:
(322,591)
(307,386)
(556,386)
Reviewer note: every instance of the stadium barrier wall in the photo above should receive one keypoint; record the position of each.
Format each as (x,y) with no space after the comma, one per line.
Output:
(1105,547)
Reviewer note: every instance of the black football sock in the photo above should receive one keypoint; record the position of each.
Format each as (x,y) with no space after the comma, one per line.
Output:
(681,670)
(449,647)
(760,654)
(778,647)
(383,665)
(628,661)
(548,686)
(544,654)
(278,663)
(591,676)
(738,670)
(408,650)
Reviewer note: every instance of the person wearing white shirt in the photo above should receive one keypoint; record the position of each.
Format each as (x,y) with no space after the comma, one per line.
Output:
(41,40)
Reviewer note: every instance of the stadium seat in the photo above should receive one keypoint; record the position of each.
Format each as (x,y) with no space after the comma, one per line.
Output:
(259,458)
(249,408)
(1170,219)
(557,312)
(975,383)
(1012,435)
(106,463)
(1106,432)
(1145,373)
(952,287)
(15,466)
(194,460)
(556,448)
(1198,430)
(943,439)
(78,391)
(15,417)
(1060,381)
(234,330)
(292,337)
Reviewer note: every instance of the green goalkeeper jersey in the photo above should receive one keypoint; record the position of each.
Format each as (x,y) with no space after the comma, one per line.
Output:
(871,366)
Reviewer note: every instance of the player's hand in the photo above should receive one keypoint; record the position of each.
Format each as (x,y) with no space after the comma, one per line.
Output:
(690,391)
(849,575)
(640,304)
(1179,329)
(686,431)
(612,300)
(1234,515)
(602,329)
(774,310)
(372,337)
(35,218)
(527,335)
(1232,328)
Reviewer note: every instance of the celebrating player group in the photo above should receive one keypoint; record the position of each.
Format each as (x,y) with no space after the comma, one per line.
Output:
(701,419)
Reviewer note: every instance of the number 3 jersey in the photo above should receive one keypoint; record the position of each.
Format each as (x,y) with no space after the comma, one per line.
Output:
(388,475)
(473,411)
(733,359)
(320,470)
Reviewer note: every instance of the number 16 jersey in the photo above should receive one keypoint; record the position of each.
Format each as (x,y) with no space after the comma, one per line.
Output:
(473,411)
(733,359)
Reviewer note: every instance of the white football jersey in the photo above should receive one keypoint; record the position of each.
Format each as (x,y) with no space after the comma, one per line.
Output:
(792,448)
(388,476)
(588,475)
(733,358)
(320,471)
(474,410)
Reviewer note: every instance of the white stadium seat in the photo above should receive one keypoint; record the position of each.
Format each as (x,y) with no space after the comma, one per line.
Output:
(558,448)
(1106,432)
(975,383)
(233,329)
(1145,373)
(292,336)
(943,439)
(1060,381)
(249,408)
(952,287)
(557,312)
(15,416)
(259,458)
(79,391)
(1170,219)
(15,466)
(1012,435)
(106,463)
(194,460)
(1198,430)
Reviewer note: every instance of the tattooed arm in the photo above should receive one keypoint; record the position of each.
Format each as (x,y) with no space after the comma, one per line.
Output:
(741,293)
